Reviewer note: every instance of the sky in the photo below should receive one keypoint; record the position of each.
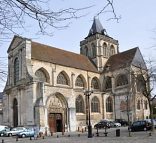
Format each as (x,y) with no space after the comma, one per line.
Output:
(135,28)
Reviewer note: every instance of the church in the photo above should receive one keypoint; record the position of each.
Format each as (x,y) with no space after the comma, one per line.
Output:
(47,86)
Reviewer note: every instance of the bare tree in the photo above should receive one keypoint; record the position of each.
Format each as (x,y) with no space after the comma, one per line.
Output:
(15,12)
(146,81)
(3,70)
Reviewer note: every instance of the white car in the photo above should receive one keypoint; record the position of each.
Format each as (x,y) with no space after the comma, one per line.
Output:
(14,131)
(117,124)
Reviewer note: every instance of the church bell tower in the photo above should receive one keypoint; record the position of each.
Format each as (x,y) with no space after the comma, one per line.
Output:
(98,46)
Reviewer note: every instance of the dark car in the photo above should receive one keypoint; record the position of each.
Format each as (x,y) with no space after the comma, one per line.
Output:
(142,125)
(123,122)
(102,124)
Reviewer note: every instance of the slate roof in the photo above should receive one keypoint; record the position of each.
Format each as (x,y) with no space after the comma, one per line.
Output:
(61,57)
(121,60)
(96,28)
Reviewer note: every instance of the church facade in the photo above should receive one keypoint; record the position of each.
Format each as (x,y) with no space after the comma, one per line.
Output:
(45,85)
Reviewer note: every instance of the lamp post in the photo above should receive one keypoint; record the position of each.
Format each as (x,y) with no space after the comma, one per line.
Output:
(87,93)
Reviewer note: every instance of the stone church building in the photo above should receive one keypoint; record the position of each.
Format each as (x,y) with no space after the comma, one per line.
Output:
(45,85)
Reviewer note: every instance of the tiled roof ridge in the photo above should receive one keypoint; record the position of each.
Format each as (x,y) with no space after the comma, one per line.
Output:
(59,49)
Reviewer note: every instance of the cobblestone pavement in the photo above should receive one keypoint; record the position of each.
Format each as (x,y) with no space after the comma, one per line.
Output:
(136,137)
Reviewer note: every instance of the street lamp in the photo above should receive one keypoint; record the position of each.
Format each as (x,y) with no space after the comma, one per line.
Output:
(87,93)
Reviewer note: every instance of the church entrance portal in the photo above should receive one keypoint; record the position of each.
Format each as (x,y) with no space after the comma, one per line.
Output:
(55,122)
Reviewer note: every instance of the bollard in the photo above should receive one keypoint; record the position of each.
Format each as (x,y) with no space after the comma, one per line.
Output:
(51,133)
(30,138)
(68,135)
(97,133)
(2,141)
(117,132)
(57,136)
(43,137)
(16,138)
(82,130)
(150,134)
(78,135)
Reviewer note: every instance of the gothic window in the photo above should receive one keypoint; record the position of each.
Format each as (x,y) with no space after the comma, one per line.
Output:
(94,83)
(108,84)
(61,79)
(16,70)
(138,104)
(79,82)
(121,80)
(146,104)
(141,85)
(79,104)
(93,50)
(105,49)
(109,104)
(95,104)
(112,50)
(41,75)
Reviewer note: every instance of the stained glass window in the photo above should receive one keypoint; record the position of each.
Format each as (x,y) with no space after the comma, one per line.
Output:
(79,104)
(79,82)
(61,79)
(94,83)
(109,104)
(41,75)
(95,104)
(138,104)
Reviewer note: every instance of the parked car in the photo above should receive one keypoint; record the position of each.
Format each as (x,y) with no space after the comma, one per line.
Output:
(123,122)
(142,125)
(3,129)
(114,124)
(154,122)
(102,124)
(29,132)
(14,131)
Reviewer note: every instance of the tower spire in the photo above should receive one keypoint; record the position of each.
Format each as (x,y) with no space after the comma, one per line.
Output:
(96,27)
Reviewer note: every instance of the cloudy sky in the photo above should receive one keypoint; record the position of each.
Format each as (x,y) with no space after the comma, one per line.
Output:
(135,28)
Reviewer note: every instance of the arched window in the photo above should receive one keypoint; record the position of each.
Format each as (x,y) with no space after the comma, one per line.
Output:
(79,81)
(108,83)
(95,104)
(121,80)
(16,70)
(138,104)
(41,75)
(109,104)
(61,79)
(95,83)
(141,84)
(146,104)
(93,50)
(79,104)
(112,50)
(105,49)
